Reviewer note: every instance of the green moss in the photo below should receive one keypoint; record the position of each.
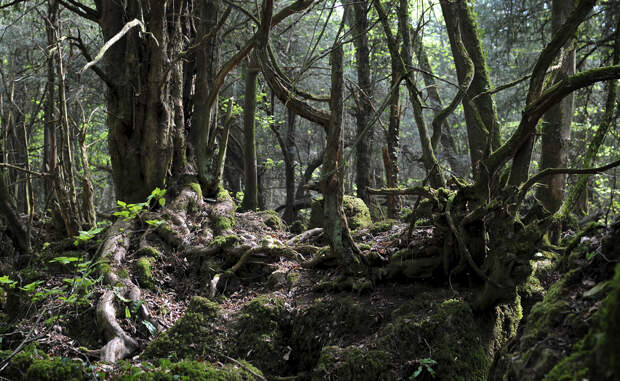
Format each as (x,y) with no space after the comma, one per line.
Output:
(191,336)
(193,370)
(364,246)
(148,251)
(123,273)
(355,210)
(196,187)
(298,227)
(352,363)
(222,195)
(225,241)
(56,370)
(607,350)
(223,224)
(145,275)
(382,226)
(258,335)
(272,219)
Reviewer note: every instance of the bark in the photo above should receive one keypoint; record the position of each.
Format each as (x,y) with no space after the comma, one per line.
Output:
(363,112)
(480,116)
(140,116)
(391,149)
(250,194)
(16,229)
(556,128)
(290,213)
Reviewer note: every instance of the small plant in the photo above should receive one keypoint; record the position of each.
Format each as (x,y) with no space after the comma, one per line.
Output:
(425,363)
(130,211)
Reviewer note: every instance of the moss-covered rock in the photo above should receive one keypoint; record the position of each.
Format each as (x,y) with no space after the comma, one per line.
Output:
(353,363)
(298,227)
(355,210)
(29,366)
(272,219)
(196,188)
(451,333)
(223,224)
(148,251)
(258,336)
(326,322)
(191,336)
(144,272)
(194,371)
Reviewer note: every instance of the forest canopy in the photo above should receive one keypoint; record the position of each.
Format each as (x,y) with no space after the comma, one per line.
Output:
(178,166)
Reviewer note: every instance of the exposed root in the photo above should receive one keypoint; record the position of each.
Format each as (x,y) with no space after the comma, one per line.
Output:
(305,236)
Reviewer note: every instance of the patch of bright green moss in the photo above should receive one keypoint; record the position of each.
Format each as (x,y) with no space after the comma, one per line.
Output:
(352,363)
(148,251)
(145,275)
(382,226)
(29,366)
(222,195)
(225,241)
(272,219)
(194,371)
(191,335)
(223,223)
(197,188)
(355,210)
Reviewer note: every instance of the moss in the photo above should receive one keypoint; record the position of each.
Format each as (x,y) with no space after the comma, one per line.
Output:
(223,224)
(222,195)
(272,219)
(191,336)
(382,226)
(197,188)
(30,366)
(298,227)
(258,335)
(193,370)
(148,251)
(225,241)
(352,363)
(364,246)
(450,330)
(56,370)
(355,210)
(608,351)
(145,275)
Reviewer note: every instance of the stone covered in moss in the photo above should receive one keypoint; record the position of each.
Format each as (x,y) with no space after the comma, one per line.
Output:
(352,364)
(355,209)
(30,367)
(145,275)
(298,227)
(191,336)
(449,330)
(323,323)
(258,335)
(196,188)
(194,371)
(272,219)
(223,224)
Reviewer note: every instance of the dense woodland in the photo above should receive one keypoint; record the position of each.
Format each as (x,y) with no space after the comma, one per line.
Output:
(309,190)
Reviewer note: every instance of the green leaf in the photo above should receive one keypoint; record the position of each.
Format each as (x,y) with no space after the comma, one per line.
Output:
(120,297)
(150,327)
(64,260)
(127,313)
(162,202)
(30,287)
(5,280)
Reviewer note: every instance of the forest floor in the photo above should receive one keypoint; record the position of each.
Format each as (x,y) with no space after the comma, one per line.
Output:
(278,319)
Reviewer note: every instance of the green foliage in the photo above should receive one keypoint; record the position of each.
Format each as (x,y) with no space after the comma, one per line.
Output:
(424,364)
(6,282)
(130,211)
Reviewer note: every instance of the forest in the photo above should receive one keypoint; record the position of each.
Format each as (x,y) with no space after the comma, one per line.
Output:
(309,190)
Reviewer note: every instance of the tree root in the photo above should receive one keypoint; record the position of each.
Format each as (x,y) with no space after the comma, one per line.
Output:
(305,236)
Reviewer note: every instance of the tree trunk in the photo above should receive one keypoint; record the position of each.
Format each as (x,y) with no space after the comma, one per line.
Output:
(49,147)
(290,214)
(250,194)
(140,116)
(557,121)
(480,116)
(363,148)
(390,151)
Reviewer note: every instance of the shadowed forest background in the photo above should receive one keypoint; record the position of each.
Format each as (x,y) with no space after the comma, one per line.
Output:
(309,190)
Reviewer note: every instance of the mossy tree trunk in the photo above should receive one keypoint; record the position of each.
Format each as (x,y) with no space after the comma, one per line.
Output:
(359,28)
(250,194)
(556,126)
